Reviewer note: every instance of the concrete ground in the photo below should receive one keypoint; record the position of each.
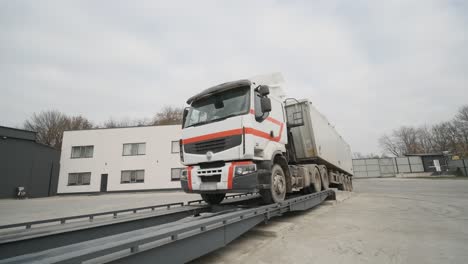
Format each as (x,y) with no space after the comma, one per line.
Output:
(384,221)
(15,211)
(388,220)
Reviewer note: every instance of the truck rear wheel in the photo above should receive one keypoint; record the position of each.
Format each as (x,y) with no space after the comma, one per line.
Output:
(277,191)
(341,180)
(325,177)
(317,180)
(213,198)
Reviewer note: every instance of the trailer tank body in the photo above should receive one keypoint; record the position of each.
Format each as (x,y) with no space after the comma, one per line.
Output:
(317,141)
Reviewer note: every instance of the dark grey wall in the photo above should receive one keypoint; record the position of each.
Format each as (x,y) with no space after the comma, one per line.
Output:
(17,133)
(29,164)
(428,162)
(459,167)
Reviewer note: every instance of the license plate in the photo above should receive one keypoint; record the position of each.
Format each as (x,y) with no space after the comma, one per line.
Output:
(208,186)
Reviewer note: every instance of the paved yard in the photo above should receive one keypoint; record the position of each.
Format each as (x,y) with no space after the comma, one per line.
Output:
(384,221)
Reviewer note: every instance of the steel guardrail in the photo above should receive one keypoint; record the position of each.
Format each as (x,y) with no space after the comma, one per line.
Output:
(115,213)
(63,220)
(160,237)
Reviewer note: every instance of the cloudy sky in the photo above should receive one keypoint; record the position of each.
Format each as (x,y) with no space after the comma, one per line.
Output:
(369,66)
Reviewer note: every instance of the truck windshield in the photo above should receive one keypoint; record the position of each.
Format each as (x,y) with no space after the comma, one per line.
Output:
(219,106)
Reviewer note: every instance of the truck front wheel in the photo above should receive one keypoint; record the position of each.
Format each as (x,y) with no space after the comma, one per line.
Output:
(277,191)
(213,198)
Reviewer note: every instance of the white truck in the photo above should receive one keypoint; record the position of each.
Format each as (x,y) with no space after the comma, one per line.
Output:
(246,136)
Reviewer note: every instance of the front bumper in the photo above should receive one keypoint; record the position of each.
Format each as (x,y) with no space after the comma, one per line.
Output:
(222,179)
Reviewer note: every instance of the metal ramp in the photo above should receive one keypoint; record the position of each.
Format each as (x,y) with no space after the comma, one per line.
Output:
(173,242)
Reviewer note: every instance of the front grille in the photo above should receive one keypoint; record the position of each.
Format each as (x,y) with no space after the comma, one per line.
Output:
(212,178)
(210,175)
(211,165)
(214,145)
(209,172)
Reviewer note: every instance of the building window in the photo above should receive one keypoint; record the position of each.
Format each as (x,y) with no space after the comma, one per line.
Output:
(79,178)
(175,173)
(175,147)
(79,152)
(132,176)
(134,149)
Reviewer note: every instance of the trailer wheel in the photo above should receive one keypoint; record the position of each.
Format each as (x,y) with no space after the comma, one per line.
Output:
(277,191)
(341,179)
(213,198)
(317,180)
(325,177)
(348,183)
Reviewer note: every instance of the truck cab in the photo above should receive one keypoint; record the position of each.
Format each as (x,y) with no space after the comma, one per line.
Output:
(231,134)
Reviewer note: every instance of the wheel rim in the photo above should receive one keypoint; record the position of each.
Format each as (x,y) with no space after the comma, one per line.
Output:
(318,180)
(325,179)
(279,184)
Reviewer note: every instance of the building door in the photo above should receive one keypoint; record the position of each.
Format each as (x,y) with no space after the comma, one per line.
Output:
(103,182)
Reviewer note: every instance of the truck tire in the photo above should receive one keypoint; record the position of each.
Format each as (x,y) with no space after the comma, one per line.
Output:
(346,183)
(317,180)
(341,180)
(325,177)
(213,198)
(277,191)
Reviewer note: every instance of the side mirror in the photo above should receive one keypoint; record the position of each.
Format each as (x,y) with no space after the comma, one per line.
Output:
(184,116)
(263,90)
(265,104)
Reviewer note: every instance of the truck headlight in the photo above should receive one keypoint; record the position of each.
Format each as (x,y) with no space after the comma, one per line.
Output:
(245,169)
(183,174)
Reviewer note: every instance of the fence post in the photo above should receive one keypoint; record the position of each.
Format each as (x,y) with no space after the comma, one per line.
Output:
(464,166)
(396,165)
(409,163)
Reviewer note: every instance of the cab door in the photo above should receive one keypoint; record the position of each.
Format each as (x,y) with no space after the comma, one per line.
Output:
(269,130)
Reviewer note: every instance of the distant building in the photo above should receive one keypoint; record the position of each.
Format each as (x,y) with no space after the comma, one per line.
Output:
(432,162)
(26,163)
(120,159)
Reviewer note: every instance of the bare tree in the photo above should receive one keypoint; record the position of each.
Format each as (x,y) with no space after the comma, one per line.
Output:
(440,137)
(408,138)
(390,145)
(449,136)
(169,115)
(424,139)
(78,123)
(462,114)
(50,125)
(126,122)
(461,125)
(358,155)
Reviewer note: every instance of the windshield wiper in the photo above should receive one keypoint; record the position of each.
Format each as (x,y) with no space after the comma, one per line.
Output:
(200,123)
(214,120)
(224,117)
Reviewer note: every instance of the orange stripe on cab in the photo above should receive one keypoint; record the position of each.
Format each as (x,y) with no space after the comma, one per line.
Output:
(189,177)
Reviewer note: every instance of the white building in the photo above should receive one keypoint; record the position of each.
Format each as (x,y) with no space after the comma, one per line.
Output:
(120,159)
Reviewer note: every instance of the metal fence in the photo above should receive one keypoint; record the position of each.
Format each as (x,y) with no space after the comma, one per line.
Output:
(386,167)
(458,167)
